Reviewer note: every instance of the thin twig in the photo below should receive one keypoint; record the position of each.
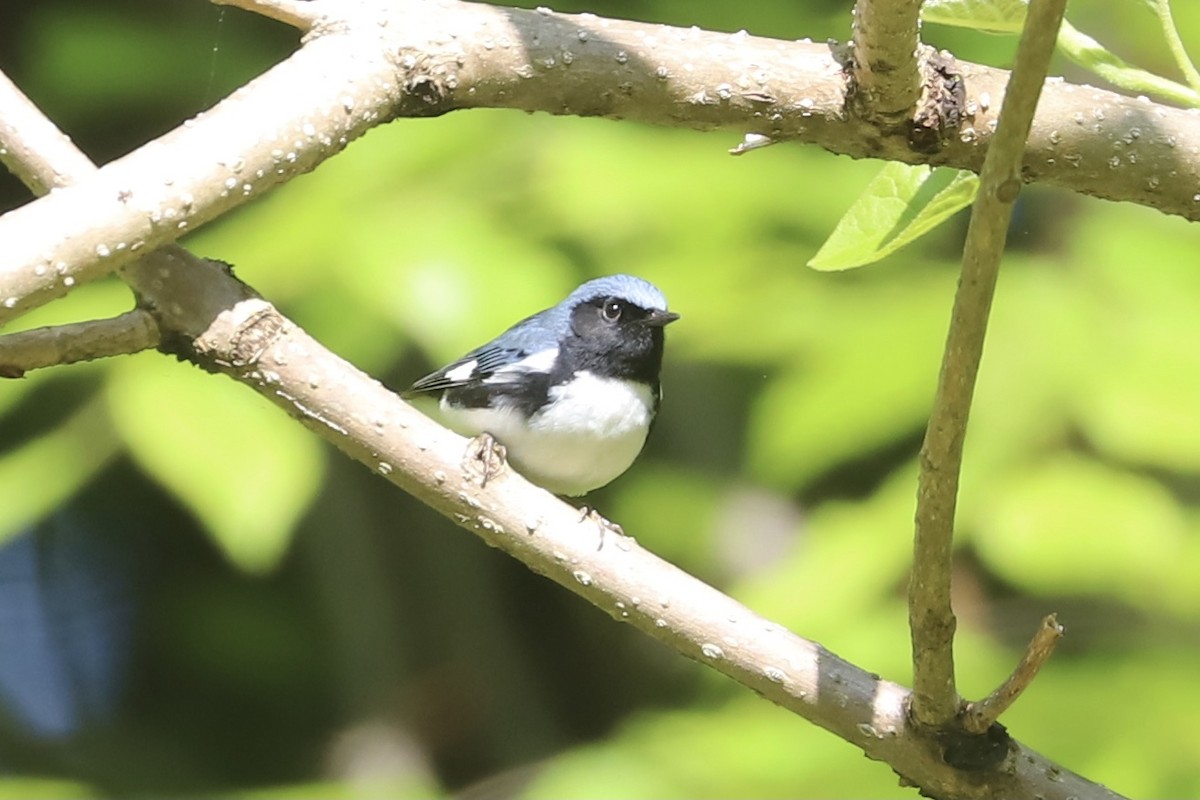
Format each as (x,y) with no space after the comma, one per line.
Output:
(978,717)
(130,332)
(931,619)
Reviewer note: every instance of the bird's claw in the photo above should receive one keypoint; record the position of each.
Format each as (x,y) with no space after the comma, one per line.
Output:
(484,459)
(587,512)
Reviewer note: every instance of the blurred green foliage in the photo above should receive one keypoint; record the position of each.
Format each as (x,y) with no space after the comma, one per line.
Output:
(305,631)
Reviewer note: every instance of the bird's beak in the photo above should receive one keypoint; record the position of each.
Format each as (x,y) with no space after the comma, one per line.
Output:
(659,319)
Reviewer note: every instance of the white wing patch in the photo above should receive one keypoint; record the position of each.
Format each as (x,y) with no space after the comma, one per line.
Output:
(541,361)
(462,372)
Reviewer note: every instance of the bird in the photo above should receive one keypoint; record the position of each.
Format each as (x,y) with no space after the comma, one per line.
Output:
(569,392)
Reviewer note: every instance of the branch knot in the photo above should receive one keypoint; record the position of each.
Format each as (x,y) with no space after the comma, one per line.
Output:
(942,105)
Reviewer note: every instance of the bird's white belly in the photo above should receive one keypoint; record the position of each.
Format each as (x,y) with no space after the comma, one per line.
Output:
(589,432)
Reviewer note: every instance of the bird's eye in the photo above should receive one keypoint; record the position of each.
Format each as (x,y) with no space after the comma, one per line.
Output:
(612,311)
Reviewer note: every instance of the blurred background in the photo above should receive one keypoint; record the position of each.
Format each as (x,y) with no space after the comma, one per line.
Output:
(197,597)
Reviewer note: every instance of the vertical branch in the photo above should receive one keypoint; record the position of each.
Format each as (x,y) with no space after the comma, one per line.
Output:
(885,57)
(935,698)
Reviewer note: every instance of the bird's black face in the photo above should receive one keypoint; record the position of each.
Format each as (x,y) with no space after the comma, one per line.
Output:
(615,338)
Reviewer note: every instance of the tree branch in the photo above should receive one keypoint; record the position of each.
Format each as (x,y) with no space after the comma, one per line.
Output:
(35,150)
(253,140)
(224,326)
(978,717)
(302,15)
(131,332)
(935,700)
(366,61)
(885,58)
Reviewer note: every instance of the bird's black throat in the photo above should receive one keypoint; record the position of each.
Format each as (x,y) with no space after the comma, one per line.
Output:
(627,349)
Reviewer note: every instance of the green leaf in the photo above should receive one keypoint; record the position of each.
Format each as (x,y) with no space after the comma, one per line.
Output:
(892,212)
(992,16)
(41,475)
(1087,52)
(245,469)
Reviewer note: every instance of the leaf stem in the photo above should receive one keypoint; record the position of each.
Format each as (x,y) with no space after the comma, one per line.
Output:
(1162,8)
(1091,55)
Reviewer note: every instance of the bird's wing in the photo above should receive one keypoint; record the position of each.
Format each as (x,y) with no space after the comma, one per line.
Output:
(474,367)
(504,359)
(528,346)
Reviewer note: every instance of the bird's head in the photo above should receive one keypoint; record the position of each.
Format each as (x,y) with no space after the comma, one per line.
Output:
(620,319)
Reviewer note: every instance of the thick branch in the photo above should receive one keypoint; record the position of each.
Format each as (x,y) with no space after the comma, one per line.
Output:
(369,61)
(885,58)
(935,701)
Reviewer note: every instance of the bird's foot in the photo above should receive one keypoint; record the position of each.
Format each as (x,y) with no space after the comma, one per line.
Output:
(605,525)
(484,459)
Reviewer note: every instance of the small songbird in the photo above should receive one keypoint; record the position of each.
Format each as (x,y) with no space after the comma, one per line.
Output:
(571,391)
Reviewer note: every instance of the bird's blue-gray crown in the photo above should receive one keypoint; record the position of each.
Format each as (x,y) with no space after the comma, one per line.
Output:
(640,293)
(550,325)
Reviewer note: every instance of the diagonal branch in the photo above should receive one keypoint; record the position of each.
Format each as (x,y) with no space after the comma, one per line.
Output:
(34,149)
(935,700)
(366,61)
